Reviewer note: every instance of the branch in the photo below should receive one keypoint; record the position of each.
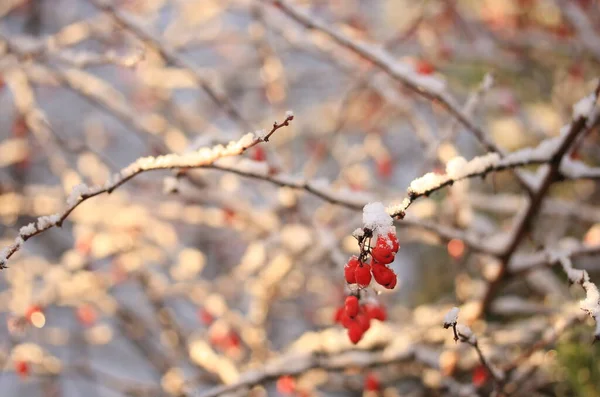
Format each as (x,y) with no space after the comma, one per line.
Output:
(296,364)
(585,117)
(464,334)
(80,193)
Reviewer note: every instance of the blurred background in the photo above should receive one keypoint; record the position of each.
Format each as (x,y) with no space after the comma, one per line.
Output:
(179,282)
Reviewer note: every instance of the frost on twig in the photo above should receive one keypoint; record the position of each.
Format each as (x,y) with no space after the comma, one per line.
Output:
(203,157)
(591,303)
(464,334)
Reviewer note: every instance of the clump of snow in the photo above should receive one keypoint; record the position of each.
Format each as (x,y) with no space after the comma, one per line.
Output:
(455,167)
(541,153)
(451,318)
(573,168)
(584,107)
(260,134)
(574,275)
(376,218)
(76,193)
(45,222)
(289,114)
(591,303)
(465,334)
(27,230)
(358,232)
(427,182)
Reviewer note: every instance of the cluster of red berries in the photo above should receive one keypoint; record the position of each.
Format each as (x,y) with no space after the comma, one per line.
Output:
(358,271)
(356,317)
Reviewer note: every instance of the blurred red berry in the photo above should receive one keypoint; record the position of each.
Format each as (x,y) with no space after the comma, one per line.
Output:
(22,369)
(355,332)
(205,317)
(259,154)
(364,321)
(86,315)
(376,312)
(385,167)
(372,382)
(351,306)
(286,384)
(480,376)
(339,314)
(424,67)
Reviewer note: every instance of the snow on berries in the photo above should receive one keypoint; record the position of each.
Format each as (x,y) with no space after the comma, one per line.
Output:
(378,247)
(377,239)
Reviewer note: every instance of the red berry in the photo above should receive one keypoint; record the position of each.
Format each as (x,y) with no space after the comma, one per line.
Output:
(286,384)
(480,376)
(346,321)
(22,369)
(339,313)
(363,275)
(383,251)
(385,167)
(355,332)
(364,321)
(372,382)
(383,274)
(424,67)
(392,285)
(205,316)
(376,312)
(394,240)
(259,154)
(86,315)
(350,269)
(351,306)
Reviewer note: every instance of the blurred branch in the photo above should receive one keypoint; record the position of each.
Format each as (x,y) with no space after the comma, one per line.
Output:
(173,58)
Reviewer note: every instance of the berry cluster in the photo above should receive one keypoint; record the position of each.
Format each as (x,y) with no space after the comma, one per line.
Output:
(356,317)
(358,271)
(372,263)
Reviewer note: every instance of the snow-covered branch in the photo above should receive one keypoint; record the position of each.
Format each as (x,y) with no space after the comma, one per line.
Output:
(201,158)
(464,334)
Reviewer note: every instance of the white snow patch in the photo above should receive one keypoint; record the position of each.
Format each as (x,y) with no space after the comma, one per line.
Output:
(451,317)
(584,107)
(376,218)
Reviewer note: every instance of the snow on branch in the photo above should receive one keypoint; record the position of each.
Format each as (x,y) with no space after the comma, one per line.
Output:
(429,87)
(464,334)
(591,303)
(585,115)
(201,158)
